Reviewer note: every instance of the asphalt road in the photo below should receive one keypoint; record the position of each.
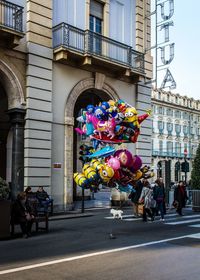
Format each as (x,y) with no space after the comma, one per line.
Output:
(81,248)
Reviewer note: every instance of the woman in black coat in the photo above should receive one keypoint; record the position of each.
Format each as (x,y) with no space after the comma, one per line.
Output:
(180,197)
(21,214)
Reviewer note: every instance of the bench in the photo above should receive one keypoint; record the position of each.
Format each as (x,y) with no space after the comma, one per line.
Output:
(41,217)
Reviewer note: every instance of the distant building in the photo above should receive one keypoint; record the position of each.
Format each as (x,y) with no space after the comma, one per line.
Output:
(175,134)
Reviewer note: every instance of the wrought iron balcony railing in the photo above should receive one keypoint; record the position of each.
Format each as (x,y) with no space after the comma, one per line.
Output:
(91,43)
(11,16)
(170,154)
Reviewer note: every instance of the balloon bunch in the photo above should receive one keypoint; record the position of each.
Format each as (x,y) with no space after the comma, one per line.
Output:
(111,122)
(94,173)
(116,168)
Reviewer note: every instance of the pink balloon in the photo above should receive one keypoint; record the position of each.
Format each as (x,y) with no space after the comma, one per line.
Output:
(114,163)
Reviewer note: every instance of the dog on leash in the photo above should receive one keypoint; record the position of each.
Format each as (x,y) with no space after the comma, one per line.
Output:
(117,214)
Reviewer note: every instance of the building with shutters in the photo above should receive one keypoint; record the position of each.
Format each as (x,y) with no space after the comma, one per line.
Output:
(56,57)
(175,135)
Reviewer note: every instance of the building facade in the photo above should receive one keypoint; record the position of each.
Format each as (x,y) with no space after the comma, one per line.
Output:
(56,57)
(175,135)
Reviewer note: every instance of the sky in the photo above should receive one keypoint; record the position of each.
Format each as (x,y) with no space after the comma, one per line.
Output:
(185,67)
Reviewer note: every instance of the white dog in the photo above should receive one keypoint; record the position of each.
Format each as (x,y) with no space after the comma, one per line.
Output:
(117,214)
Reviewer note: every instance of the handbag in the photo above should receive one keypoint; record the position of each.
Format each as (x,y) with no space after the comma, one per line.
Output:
(28,217)
(141,208)
(175,204)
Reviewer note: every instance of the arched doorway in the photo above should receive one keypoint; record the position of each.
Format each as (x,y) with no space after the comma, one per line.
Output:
(90,91)
(4,130)
(11,129)
(93,97)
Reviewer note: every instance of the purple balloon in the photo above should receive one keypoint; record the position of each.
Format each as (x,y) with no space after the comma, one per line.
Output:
(137,163)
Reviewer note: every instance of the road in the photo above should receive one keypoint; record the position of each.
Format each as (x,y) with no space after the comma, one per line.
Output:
(81,248)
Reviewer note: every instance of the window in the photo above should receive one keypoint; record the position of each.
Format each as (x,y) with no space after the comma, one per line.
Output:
(160,126)
(178,129)
(169,147)
(177,114)
(96,19)
(169,128)
(169,112)
(185,116)
(160,146)
(178,148)
(185,130)
(160,110)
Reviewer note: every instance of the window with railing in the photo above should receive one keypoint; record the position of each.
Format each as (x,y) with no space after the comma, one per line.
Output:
(169,128)
(185,130)
(178,129)
(83,41)
(11,16)
(160,126)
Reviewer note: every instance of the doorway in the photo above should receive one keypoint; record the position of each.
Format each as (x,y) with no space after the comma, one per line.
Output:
(4,131)
(93,97)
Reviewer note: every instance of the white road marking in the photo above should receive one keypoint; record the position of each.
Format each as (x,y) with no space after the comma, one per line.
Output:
(183,222)
(196,226)
(27,267)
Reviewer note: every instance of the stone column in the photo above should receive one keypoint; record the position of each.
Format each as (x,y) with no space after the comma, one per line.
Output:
(17,126)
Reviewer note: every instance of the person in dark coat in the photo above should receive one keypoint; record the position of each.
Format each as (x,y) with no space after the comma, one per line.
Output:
(180,196)
(161,183)
(158,195)
(21,214)
(43,198)
(135,195)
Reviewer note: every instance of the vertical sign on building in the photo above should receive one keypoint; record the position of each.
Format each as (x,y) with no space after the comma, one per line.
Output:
(163,49)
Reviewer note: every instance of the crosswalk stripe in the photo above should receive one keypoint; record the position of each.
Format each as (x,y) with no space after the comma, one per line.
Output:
(183,222)
(196,226)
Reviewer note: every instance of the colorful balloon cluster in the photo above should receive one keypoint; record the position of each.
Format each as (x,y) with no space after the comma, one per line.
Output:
(111,122)
(119,170)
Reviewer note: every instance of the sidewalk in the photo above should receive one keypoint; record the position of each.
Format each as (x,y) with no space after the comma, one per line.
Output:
(101,200)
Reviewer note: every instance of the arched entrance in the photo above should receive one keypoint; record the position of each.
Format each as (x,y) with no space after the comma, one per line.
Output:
(93,97)
(11,129)
(88,91)
(4,130)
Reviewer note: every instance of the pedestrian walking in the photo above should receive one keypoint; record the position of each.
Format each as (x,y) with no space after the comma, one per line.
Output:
(180,197)
(135,195)
(159,197)
(146,198)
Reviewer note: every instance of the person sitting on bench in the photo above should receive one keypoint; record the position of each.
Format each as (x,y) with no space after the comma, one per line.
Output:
(43,198)
(21,214)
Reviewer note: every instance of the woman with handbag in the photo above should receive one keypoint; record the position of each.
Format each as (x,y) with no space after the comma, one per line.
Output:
(146,198)
(21,214)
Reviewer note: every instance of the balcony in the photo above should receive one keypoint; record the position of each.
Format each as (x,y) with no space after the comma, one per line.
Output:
(11,22)
(93,51)
(169,154)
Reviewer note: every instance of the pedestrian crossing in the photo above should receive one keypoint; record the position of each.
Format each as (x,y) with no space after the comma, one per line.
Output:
(172,219)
